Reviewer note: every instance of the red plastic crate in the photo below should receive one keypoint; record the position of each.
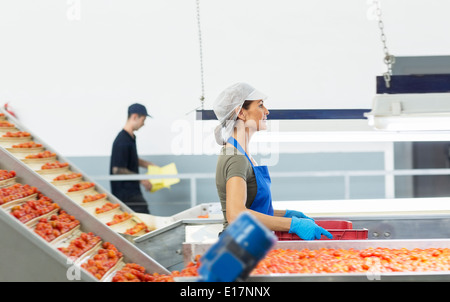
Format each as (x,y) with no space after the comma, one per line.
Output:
(349,234)
(340,229)
(335,224)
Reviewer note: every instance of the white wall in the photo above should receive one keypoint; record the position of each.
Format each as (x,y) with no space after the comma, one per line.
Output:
(70,68)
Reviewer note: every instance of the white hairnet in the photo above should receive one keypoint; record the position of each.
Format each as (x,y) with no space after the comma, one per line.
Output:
(227,106)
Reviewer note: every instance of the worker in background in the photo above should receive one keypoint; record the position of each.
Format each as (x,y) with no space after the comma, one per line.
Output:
(241,184)
(125,160)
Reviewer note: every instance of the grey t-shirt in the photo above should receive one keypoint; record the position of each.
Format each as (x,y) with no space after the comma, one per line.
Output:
(232,163)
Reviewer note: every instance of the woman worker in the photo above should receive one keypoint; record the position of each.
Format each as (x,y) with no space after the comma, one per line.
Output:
(241,184)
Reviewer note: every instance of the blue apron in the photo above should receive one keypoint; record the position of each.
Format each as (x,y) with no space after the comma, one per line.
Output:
(263,199)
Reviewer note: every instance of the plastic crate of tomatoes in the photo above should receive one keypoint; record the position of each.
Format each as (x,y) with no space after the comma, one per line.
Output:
(340,229)
(335,224)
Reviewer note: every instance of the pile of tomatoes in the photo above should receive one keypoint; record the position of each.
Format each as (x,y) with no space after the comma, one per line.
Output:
(67,176)
(27,145)
(81,186)
(17,134)
(80,245)
(107,207)
(16,191)
(4,124)
(118,218)
(133,272)
(5,174)
(137,228)
(52,228)
(44,154)
(103,261)
(54,165)
(359,261)
(33,208)
(326,260)
(90,198)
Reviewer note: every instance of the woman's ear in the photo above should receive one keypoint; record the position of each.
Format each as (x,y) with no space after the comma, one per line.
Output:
(240,114)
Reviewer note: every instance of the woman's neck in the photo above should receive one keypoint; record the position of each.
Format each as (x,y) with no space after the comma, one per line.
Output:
(243,135)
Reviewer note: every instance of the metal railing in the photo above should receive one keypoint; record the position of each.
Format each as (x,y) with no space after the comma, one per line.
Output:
(193,177)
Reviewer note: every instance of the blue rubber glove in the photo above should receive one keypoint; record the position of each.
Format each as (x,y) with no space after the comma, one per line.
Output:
(292,213)
(307,229)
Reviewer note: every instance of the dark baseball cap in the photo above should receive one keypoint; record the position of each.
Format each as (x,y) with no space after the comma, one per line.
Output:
(139,109)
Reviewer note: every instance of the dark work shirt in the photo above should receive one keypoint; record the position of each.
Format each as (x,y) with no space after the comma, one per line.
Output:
(124,155)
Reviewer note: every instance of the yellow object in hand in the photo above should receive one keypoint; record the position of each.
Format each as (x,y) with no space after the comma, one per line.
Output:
(161,183)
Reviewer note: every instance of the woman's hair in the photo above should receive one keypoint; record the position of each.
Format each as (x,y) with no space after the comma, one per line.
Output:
(246,104)
(231,117)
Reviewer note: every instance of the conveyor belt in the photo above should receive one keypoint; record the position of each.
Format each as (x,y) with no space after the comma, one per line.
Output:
(26,256)
(169,233)
(192,249)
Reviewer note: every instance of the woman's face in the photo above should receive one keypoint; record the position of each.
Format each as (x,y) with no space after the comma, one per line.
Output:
(255,116)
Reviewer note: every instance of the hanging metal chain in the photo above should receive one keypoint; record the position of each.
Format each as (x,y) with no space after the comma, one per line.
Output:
(202,97)
(389,59)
